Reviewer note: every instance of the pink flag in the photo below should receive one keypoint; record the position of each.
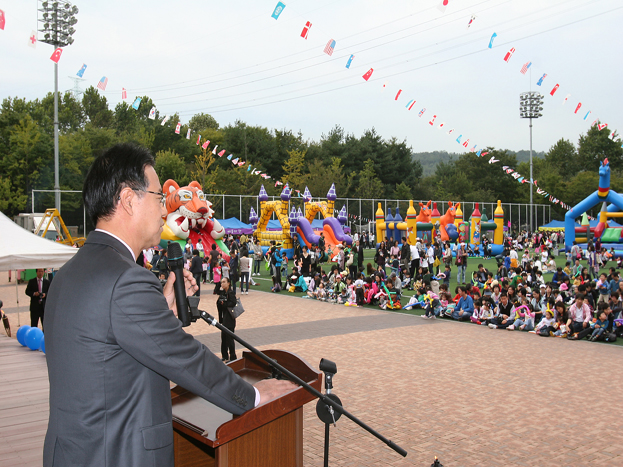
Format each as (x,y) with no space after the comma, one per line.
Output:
(509,54)
(551,93)
(56,56)
(2,20)
(124,94)
(222,153)
(368,74)
(397,95)
(306,30)
(32,40)
(205,145)
(177,128)
(577,108)
(198,139)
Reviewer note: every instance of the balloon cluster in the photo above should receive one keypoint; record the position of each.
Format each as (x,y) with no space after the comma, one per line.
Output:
(31,338)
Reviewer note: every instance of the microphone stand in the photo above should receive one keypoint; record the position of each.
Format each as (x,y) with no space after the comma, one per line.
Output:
(327,399)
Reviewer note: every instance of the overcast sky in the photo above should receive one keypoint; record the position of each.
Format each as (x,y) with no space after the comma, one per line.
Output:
(232,60)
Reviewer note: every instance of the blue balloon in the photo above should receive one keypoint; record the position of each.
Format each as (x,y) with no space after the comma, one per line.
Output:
(21,334)
(33,338)
(42,346)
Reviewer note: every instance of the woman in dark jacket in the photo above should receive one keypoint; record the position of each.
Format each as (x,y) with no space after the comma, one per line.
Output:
(226,300)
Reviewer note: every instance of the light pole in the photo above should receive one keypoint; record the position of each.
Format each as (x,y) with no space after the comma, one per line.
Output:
(57,20)
(530,106)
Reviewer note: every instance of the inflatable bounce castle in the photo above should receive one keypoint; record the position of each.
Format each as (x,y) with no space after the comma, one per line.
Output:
(189,215)
(450,226)
(609,235)
(298,223)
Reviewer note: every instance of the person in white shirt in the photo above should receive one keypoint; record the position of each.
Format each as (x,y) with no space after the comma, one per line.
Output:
(415,260)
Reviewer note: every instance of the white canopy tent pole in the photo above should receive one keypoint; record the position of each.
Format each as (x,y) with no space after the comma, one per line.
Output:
(19,323)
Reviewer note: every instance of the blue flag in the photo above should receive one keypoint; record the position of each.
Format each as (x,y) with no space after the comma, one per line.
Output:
(350,60)
(81,71)
(137,103)
(493,36)
(540,81)
(278,9)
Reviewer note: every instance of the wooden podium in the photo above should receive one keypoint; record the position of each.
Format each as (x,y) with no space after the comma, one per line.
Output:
(269,435)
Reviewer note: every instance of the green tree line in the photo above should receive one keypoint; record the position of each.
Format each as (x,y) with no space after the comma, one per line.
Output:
(367,166)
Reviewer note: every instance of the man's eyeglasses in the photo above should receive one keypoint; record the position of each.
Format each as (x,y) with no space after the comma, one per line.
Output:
(163,196)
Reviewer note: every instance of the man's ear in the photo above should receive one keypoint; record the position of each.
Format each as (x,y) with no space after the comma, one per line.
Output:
(126,200)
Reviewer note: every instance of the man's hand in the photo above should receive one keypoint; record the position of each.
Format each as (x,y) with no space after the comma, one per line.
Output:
(189,284)
(272,388)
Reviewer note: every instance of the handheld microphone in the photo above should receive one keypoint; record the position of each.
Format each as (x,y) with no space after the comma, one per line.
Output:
(176,265)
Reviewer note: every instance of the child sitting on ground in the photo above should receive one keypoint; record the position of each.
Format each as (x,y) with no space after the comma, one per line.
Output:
(525,320)
(600,326)
(546,325)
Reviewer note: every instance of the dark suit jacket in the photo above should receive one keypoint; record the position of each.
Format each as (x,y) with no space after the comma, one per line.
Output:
(33,287)
(196,265)
(112,346)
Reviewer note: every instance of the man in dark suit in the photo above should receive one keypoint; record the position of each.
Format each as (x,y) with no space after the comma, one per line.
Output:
(112,341)
(196,269)
(37,290)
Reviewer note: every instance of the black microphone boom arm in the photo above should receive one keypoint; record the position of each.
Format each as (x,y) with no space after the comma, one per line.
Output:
(292,377)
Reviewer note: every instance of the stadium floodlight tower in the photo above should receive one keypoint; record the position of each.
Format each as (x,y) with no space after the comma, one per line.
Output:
(531,106)
(57,20)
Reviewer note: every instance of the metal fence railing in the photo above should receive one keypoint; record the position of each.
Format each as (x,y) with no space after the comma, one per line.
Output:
(361,211)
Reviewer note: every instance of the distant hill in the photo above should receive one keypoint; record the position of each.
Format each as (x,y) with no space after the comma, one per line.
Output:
(429,160)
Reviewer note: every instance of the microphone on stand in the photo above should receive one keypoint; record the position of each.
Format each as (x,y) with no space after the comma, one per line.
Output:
(176,265)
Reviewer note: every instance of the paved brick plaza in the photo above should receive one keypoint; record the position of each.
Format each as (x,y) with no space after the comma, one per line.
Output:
(466,393)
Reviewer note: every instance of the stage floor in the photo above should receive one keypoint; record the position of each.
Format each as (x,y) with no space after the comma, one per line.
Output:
(468,394)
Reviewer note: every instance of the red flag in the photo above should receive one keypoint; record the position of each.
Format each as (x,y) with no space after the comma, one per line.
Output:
(397,95)
(205,145)
(368,74)
(306,30)
(602,126)
(577,108)
(2,20)
(554,90)
(56,56)
(124,94)
(222,153)
(509,54)
(177,128)
(198,139)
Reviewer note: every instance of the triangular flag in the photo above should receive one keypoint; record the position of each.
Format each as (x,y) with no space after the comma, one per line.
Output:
(56,55)
(493,160)
(2,20)
(177,128)
(234,161)
(368,73)
(152,113)
(124,94)
(198,139)
(398,94)
(214,150)
(229,157)
(165,120)
(222,153)
(432,120)
(137,103)
(350,60)
(602,126)
(249,168)
(188,134)
(32,41)
(206,144)
(82,70)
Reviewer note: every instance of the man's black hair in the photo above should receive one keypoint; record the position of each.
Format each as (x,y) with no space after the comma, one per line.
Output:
(122,165)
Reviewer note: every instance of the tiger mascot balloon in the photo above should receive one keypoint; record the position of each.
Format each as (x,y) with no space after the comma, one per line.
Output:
(189,215)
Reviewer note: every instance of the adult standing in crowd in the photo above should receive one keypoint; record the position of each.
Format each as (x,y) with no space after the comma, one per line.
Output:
(257,257)
(37,290)
(196,269)
(245,271)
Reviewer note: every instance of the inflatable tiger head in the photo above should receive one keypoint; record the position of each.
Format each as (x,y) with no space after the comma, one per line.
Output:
(187,209)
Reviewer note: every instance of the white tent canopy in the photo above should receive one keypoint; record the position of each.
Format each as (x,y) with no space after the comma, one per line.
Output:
(21,249)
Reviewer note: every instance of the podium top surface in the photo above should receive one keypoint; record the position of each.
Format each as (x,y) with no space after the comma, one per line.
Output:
(214,426)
